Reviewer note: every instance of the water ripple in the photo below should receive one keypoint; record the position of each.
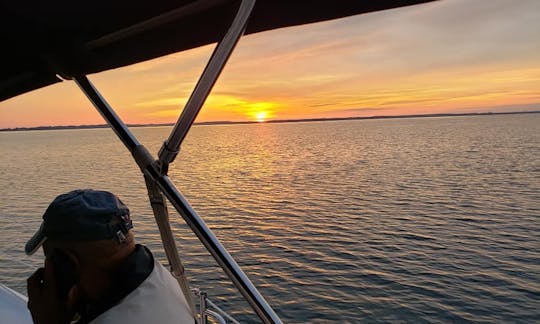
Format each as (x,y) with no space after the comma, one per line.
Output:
(417,220)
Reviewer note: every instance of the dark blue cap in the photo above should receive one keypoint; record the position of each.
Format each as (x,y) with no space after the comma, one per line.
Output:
(82,216)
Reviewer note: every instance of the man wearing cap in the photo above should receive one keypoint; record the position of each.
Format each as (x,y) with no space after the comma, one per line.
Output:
(94,272)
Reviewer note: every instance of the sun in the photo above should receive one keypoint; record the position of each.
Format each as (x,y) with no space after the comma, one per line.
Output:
(261,116)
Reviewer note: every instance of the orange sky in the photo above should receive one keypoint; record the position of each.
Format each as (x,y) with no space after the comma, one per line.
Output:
(449,56)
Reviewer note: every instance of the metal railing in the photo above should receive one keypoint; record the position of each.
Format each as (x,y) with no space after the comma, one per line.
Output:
(155,170)
(209,308)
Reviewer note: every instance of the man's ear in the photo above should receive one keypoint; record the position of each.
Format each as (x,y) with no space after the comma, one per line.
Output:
(73,297)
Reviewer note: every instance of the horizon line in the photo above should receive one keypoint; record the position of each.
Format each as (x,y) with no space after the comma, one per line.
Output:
(274,121)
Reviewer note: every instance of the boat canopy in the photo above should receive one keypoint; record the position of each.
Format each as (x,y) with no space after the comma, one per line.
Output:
(45,41)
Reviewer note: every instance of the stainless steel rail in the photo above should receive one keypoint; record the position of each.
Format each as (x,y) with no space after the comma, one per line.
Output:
(156,169)
(216,309)
(143,159)
(213,69)
(118,126)
(194,221)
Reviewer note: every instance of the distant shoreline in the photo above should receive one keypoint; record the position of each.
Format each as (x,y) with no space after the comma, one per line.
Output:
(18,129)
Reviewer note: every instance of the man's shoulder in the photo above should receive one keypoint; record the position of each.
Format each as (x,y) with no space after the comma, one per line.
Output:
(158,299)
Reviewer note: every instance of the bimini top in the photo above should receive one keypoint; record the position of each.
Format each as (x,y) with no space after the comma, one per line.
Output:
(42,40)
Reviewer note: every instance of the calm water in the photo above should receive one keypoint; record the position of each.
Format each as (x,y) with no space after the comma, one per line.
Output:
(405,220)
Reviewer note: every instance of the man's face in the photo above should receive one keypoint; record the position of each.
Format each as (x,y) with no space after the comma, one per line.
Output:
(52,290)
(49,247)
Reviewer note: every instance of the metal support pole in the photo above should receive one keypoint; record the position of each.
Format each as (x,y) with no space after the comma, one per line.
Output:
(213,69)
(202,307)
(118,126)
(195,222)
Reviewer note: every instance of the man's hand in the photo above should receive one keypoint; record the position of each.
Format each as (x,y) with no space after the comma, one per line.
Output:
(43,301)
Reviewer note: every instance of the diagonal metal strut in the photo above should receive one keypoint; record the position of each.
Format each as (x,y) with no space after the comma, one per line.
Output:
(213,69)
(195,222)
(155,171)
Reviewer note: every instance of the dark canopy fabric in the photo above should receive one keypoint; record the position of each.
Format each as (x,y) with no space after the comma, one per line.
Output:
(43,39)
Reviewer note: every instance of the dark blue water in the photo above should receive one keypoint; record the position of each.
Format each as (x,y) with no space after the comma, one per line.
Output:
(405,220)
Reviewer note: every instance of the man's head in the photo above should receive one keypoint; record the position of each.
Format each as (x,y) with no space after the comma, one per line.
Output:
(85,236)
(82,216)
(91,230)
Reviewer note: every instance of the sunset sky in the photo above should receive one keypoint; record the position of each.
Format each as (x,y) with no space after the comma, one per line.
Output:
(450,56)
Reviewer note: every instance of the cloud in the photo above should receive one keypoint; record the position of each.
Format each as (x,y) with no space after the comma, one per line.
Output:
(163,102)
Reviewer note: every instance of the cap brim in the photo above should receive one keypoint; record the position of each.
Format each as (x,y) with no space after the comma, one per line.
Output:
(35,242)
